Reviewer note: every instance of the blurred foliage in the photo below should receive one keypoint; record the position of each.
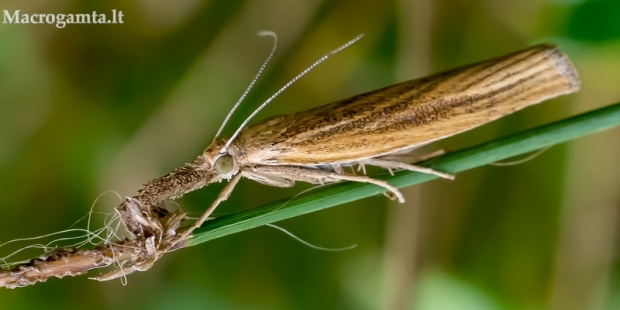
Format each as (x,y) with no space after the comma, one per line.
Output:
(90,108)
(595,21)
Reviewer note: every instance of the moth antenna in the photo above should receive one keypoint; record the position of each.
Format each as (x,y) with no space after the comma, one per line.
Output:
(316,63)
(260,71)
(306,243)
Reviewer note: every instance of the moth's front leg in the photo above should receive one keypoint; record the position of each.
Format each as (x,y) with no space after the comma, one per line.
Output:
(224,194)
(267,179)
(318,176)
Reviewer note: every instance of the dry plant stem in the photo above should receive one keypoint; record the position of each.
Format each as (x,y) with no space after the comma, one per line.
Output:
(60,263)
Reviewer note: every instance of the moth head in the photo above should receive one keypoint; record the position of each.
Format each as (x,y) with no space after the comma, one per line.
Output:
(225,164)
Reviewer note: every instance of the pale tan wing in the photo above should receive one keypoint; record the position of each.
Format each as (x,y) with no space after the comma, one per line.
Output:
(411,113)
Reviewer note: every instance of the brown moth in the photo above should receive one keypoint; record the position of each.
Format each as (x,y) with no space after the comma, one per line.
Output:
(372,128)
(375,128)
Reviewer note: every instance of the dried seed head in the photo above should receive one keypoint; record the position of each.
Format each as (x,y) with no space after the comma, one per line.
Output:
(154,231)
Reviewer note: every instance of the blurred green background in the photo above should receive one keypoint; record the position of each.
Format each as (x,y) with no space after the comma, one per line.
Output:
(92,108)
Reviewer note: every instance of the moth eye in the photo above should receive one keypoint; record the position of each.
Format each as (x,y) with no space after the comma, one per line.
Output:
(224,164)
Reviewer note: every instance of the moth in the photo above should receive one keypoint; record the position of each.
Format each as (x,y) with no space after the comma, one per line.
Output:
(374,128)
(377,128)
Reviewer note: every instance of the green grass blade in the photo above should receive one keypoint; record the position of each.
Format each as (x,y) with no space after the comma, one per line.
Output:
(333,195)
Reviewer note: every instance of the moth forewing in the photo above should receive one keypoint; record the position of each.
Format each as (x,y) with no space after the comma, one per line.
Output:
(411,113)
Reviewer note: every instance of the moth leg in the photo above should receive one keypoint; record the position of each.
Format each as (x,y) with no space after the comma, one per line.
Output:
(361,167)
(389,164)
(429,155)
(365,179)
(389,195)
(266,179)
(337,168)
(353,170)
(409,158)
(318,176)
(224,194)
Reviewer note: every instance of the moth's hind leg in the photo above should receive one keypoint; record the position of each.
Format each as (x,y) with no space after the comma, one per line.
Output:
(318,176)
(395,164)
(410,158)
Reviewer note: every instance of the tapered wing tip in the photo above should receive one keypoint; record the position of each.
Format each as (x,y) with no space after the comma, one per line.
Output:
(564,66)
(568,71)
